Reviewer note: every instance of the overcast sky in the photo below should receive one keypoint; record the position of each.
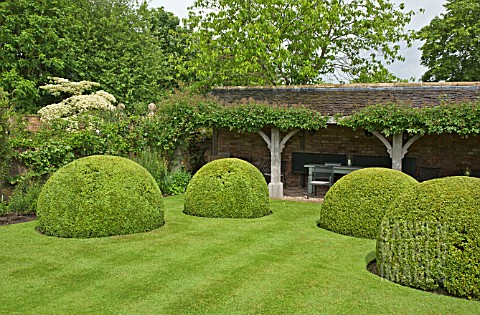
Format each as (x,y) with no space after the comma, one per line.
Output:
(410,68)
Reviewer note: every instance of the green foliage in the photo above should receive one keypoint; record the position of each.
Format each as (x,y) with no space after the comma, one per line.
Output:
(121,46)
(173,41)
(99,196)
(3,207)
(36,42)
(151,160)
(181,118)
(227,188)
(170,183)
(451,50)
(181,123)
(252,117)
(178,124)
(47,157)
(24,197)
(430,237)
(176,182)
(390,119)
(292,42)
(118,43)
(459,118)
(5,151)
(356,204)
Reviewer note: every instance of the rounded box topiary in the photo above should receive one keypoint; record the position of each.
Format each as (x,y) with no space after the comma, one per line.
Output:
(227,188)
(430,238)
(356,203)
(99,196)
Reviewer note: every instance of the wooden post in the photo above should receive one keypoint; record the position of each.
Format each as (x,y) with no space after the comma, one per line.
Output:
(397,151)
(276,145)
(275,186)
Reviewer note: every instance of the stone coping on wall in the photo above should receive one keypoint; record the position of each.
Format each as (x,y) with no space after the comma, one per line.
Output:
(356,86)
(331,99)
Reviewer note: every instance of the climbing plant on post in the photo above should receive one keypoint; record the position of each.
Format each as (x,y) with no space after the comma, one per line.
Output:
(253,117)
(387,120)
(395,120)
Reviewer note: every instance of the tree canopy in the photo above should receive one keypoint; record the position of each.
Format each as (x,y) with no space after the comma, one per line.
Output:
(131,50)
(287,42)
(34,44)
(451,51)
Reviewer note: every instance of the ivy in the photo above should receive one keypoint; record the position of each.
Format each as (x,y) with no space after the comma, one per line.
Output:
(390,119)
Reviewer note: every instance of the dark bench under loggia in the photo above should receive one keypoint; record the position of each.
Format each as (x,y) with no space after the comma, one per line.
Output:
(299,159)
(409,165)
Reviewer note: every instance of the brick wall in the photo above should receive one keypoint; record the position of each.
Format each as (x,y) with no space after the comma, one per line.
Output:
(33,123)
(449,152)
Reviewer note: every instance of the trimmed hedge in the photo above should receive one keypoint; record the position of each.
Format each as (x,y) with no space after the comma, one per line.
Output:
(356,203)
(430,238)
(227,188)
(99,196)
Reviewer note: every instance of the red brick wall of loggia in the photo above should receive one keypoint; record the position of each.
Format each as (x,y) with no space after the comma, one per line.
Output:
(451,153)
(333,140)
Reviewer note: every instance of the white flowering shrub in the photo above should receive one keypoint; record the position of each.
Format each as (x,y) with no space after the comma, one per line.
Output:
(61,85)
(77,104)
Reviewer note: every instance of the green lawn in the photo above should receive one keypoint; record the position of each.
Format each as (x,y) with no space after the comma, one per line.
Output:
(280,264)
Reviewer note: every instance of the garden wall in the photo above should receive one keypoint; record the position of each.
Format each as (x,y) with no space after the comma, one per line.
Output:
(449,153)
(330,99)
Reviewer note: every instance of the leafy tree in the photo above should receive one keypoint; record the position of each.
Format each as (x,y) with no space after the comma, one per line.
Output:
(451,51)
(165,26)
(34,44)
(122,49)
(130,49)
(172,37)
(378,75)
(293,42)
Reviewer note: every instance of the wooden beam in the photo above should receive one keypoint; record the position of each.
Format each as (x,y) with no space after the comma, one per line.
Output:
(409,143)
(397,150)
(276,146)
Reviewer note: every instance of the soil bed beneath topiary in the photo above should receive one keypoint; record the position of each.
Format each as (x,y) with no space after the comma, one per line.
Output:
(13,217)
